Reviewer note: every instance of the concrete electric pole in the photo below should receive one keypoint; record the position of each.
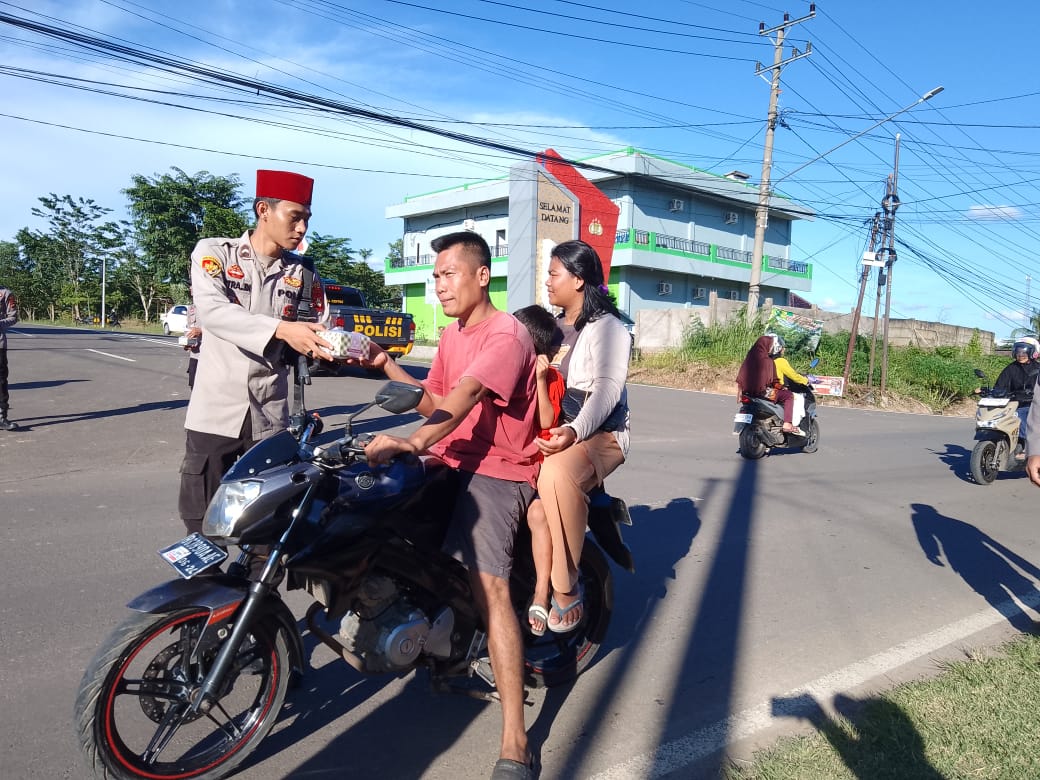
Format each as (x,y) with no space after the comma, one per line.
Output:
(868,258)
(889,203)
(762,211)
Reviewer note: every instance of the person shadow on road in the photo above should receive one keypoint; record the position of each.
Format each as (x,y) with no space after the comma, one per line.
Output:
(991,569)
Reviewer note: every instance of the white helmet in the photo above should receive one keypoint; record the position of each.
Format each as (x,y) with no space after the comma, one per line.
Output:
(1027,345)
(778,344)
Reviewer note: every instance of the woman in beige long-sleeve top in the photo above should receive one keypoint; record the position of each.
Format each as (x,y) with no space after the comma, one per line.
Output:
(593,440)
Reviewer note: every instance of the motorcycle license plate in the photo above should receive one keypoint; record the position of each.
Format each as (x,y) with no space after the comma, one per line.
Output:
(192,554)
(742,418)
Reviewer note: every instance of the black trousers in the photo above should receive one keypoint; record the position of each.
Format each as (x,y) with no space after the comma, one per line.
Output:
(207,457)
(4,395)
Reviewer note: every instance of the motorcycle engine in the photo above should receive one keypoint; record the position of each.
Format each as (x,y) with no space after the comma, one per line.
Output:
(387,633)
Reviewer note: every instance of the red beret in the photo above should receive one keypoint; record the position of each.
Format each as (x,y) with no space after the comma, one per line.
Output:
(284,185)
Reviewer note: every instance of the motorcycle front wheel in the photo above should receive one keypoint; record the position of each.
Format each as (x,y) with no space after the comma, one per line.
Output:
(984,467)
(133,717)
(555,659)
(751,447)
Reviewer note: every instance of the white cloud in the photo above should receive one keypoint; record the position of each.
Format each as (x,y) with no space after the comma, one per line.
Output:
(988,212)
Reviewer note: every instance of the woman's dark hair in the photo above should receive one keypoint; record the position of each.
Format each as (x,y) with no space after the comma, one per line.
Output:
(581,260)
(540,324)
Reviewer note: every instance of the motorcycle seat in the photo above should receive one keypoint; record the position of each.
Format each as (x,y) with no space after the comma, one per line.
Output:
(765,406)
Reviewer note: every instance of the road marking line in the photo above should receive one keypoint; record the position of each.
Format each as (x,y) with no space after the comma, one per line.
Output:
(157,341)
(704,742)
(109,354)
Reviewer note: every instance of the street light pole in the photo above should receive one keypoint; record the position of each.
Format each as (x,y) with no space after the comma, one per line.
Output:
(104,264)
(762,213)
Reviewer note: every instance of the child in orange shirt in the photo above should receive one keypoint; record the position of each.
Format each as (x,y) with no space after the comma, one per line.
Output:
(551,388)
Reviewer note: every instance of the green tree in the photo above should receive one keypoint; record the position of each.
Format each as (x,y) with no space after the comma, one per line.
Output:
(171,213)
(66,259)
(40,288)
(395,253)
(334,259)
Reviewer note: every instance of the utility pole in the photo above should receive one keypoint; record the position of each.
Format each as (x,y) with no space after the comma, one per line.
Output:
(762,211)
(882,277)
(889,203)
(882,284)
(864,276)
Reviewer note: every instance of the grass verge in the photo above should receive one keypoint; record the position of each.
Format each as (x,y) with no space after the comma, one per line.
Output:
(935,378)
(979,719)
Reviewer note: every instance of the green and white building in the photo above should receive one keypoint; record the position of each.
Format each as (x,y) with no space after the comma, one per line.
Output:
(682,235)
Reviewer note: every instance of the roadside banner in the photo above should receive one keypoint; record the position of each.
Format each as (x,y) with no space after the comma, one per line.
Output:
(833,386)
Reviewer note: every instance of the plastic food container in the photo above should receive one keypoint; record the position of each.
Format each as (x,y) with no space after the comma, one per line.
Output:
(346,343)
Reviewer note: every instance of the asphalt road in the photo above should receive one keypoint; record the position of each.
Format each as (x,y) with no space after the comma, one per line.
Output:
(763,589)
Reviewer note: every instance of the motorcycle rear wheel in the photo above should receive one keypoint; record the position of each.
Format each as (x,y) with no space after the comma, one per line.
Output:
(556,659)
(132,718)
(984,467)
(751,447)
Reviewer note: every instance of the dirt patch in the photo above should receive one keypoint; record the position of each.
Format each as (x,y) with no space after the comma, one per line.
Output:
(706,379)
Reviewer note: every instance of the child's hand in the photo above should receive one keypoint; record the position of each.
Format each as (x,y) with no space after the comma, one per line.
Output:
(541,367)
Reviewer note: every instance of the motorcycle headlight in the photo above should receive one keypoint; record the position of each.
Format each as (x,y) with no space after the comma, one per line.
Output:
(228,506)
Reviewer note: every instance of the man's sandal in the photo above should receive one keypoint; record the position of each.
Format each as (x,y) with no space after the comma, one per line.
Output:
(507,769)
(561,612)
(536,612)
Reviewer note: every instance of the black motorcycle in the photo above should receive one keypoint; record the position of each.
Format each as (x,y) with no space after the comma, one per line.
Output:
(760,425)
(194,679)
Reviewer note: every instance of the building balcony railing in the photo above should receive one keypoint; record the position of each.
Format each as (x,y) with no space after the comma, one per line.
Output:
(794,266)
(682,244)
(736,255)
(648,241)
(413,261)
(702,250)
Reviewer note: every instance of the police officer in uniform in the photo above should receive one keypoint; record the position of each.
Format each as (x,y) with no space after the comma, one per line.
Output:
(8,319)
(247,292)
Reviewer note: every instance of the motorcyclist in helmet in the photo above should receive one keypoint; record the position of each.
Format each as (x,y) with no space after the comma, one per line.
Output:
(758,377)
(1018,378)
(785,372)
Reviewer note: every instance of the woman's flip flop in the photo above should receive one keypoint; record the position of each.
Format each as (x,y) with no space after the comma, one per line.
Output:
(540,613)
(561,612)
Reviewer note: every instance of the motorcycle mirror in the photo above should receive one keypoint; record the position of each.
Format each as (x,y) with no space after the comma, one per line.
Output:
(814,362)
(397,397)
(979,373)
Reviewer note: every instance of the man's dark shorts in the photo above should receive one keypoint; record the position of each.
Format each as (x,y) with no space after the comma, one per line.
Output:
(484,522)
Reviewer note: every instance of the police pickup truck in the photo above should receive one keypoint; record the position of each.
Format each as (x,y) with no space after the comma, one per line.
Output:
(393,331)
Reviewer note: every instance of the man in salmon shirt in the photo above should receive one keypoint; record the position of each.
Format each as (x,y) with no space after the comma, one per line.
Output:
(481,406)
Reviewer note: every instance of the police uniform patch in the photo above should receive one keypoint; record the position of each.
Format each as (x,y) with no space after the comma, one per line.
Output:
(292,281)
(236,272)
(211,265)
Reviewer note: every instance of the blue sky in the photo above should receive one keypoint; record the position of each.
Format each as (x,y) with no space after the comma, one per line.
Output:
(673,77)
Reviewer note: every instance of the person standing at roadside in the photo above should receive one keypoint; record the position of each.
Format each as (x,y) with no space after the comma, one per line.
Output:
(481,408)
(8,318)
(192,339)
(247,294)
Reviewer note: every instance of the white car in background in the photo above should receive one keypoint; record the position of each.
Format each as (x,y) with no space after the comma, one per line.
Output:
(175,320)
